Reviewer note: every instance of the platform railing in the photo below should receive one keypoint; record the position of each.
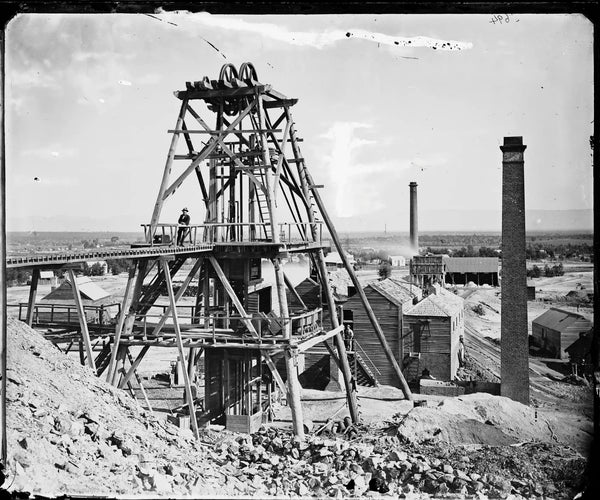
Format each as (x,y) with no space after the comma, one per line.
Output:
(303,324)
(196,234)
(269,326)
(103,315)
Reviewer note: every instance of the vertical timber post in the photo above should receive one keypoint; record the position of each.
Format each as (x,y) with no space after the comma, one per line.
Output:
(35,278)
(349,382)
(119,330)
(293,383)
(186,378)
(514,353)
(82,321)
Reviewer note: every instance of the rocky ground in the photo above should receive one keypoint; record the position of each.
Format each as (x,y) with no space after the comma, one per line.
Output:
(71,433)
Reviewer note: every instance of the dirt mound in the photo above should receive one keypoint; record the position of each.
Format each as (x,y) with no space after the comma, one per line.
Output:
(424,424)
(70,432)
(474,419)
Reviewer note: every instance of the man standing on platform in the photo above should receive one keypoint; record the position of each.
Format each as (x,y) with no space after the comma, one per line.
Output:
(349,338)
(183,222)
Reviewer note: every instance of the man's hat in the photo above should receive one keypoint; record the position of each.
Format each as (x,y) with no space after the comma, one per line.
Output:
(184,209)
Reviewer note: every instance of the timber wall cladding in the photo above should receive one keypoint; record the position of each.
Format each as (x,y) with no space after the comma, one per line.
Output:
(387,314)
(436,350)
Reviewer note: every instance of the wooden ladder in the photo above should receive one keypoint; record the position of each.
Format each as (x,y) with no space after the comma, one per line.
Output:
(263,210)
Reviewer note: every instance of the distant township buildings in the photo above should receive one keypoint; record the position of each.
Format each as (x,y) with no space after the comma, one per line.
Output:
(429,269)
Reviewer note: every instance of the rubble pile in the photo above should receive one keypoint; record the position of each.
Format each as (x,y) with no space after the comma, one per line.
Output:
(71,433)
(273,463)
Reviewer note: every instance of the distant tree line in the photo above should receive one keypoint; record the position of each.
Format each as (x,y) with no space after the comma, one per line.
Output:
(536,272)
(540,251)
(16,277)
(468,251)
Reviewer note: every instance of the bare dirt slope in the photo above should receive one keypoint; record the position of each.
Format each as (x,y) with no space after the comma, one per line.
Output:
(70,432)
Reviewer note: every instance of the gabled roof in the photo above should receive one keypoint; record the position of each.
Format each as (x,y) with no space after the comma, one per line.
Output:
(87,289)
(396,291)
(471,264)
(559,319)
(306,282)
(441,304)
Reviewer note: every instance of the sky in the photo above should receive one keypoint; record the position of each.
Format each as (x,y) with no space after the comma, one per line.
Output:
(383,100)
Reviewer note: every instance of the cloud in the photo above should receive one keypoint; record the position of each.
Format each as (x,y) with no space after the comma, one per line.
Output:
(362,187)
(341,161)
(53,151)
(31,77)
(125,82)
(318,40)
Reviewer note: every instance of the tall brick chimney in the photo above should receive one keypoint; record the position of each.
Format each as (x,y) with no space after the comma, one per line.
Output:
(514,355)
(414,228)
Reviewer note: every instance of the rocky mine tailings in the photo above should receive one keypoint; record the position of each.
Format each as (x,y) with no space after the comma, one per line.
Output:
(71,433)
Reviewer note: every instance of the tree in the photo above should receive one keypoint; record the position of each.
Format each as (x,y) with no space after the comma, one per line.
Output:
(558,269)
(487,252)
(96,269)
(534,272)
(385,270)
(118,266)
(17,276)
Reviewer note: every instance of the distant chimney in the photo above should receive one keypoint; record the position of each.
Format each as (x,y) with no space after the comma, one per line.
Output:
(414,228)
(514,352)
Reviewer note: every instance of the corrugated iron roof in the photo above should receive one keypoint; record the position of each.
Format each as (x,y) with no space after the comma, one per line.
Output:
(559,319)
(471,264)
(397,292)
(46,275)
(87,289)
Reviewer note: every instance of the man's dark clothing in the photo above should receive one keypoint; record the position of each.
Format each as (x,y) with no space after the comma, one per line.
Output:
(184,219)
(349,339)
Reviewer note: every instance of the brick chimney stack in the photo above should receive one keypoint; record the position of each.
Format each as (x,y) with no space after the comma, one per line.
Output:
(414,228)
(514,355)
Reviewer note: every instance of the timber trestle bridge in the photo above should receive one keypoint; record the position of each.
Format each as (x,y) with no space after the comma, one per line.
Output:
(260,204)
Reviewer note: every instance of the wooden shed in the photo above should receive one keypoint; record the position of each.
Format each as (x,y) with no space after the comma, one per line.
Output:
(431,336)
(479,270)
(388,298)
(59,305)
(556,329)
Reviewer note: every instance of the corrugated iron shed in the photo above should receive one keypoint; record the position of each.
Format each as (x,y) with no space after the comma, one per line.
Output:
(559,319)
(471,264)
